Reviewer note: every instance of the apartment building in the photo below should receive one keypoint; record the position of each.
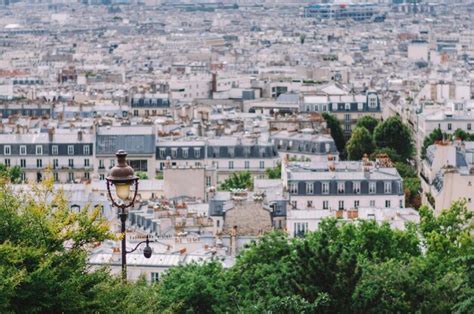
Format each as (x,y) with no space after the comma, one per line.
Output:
(146,105)
(227,154)
(338,186)
(67,153)
(137,141)
(348,108)
(447,174)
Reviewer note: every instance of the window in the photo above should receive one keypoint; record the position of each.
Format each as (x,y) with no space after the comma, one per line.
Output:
(340,187)
(112,163)
(7,162)
(197,153)
(101,164)
(231,164)
(185,152)
(372,187)
(231,151)
(309,188)
(360,106)
(174,153)
(208,180)
(55,163)
(101,177)
(356,204)
(262,164)
(387,187)
(7,150)
(23,150)
(387,204)
(372,101)
(86,175)
(348,106)
(162,153)
(135,113)
(293,187)
(294,204)
(356,187)
(347,117)
(449,126)
(23,163)
(469,126)
(54,150)
(56,177)
(401,203)
(86,150)
(86,162)
(23,177)
(325,204)
(347,127)
(71,163)
(70,149)
(341,205)
(155,277)
(70,176)
(247,164)
(309,204)
(325,188)
(39,150)
(39,163)
(300,228)
(372,203)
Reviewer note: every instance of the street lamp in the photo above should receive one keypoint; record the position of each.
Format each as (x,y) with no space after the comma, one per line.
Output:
(122,177)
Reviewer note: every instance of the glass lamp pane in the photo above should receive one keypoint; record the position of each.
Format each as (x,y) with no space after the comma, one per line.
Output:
(122,190)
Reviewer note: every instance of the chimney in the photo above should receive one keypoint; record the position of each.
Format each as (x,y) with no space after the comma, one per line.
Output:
(51,134)
(233,241)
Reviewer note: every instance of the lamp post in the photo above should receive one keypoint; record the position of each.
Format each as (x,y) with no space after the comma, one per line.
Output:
(123,177)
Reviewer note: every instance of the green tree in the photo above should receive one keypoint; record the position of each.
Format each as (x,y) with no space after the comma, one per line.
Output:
(336,131)
(274,173)
(368,122)
(43,250)
(13,174)
(238,180)
(359,144)
(392,133)
(390,152)
(436,135)
(193,289)
(142,175)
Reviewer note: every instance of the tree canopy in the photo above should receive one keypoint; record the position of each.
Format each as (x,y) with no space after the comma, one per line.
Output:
(368,122)
(359,144)
(336,131)
(392,133)
(362,267)
(238,180)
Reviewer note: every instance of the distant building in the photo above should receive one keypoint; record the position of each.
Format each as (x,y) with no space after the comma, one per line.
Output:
(448,175)
(319,187)
(333,11)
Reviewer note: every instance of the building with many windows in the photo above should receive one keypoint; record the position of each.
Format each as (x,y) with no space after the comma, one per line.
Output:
(339,186)
(348,108)
(137,141)
(227,154)
(67,153)
(146,105)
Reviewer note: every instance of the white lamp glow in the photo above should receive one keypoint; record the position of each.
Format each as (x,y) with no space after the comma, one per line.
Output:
(122,190)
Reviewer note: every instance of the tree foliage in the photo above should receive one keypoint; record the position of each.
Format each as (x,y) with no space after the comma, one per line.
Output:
(362,267)
(359,144)
(13,174)
(274,173)
(336,131)
(238,180)
(368,122)
(392,133)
